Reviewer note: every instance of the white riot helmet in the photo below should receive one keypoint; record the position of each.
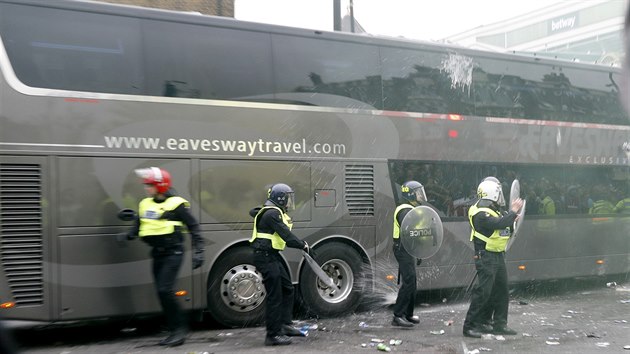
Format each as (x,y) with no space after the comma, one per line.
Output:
(491,178)
(491,190)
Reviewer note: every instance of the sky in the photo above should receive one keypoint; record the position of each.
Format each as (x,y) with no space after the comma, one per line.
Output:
(414,19)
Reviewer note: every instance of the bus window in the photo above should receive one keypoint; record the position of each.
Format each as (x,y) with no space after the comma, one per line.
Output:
(533,91)
(514,90)
(230,189)
(326,73)
(549,189)
(46,49)
(185,60)
(592,97)
(414,82)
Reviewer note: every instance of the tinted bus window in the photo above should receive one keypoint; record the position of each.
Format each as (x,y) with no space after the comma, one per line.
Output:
(592,96)
(414,81)
(535,91)
(70,50)
(549,190)
(184,60)
(516,90)
(326,73)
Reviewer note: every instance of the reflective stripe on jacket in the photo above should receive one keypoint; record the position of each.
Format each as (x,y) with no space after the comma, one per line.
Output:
(276,241)
(151,221)
(602,207)
(396,232)
(499,238)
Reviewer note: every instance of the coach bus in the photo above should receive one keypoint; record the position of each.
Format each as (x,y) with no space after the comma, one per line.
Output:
(91,91)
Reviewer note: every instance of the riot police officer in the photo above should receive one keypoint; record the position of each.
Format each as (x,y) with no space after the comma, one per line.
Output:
(161,218)
(490,233)
(412,195)
(270,234)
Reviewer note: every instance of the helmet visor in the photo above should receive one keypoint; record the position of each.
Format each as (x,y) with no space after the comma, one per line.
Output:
(290,201)
(501,200)
(144,173)
(421,196)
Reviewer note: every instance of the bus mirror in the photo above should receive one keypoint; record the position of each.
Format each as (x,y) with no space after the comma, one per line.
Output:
(127,215)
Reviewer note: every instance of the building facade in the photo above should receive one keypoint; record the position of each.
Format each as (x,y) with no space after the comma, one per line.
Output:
(585,31)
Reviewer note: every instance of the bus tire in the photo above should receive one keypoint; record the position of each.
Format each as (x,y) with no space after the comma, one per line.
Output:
(236,292)
(344,264)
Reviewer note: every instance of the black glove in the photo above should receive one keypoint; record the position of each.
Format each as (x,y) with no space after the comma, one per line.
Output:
(418,261)
(197,260)
(124,236)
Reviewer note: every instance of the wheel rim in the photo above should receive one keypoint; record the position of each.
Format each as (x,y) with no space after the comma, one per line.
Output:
(242,288)
(343,277)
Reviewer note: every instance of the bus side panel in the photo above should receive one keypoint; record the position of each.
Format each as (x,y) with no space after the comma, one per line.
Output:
(99,275)
(568,247)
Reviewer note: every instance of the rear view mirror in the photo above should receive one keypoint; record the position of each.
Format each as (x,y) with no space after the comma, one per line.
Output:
(127,215)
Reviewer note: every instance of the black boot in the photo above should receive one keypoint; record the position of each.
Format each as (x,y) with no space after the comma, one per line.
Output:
(176,338)
(413,319)
(277,340)
(401,322)
(291,331)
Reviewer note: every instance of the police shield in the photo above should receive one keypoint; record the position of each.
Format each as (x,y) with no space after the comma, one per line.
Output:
(515,193)
(421,232)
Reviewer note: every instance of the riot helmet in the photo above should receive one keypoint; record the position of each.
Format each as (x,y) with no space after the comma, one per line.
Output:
(413,191)
(491,178)
(491,190)
(282,195)
(158,177)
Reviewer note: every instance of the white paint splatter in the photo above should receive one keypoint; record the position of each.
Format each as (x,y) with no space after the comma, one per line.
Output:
(459,69)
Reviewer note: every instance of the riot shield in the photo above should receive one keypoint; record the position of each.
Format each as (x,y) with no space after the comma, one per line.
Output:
(515,192)
(421,232)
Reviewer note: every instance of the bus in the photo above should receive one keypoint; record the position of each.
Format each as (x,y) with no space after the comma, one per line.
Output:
(91,91)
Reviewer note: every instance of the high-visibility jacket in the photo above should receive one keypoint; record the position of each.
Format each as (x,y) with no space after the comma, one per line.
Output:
(151,221)
(276,241)
(396,232)
(602,206)
(547,206)
(623,206)
(497,242)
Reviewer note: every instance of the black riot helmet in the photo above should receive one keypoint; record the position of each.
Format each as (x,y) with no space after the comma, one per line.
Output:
(413,192)
(282,195)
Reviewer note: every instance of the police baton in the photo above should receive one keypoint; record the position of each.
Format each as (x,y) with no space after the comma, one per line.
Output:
(319,271)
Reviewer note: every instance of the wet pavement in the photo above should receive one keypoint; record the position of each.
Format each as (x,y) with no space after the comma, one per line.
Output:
(559,317)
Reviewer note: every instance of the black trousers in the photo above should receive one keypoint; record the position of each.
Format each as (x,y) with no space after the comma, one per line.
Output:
(279,289)
(166,264)
(405,302)
(490,295)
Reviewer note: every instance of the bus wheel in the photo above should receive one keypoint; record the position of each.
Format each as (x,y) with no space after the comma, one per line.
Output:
(235,290)
(343,264)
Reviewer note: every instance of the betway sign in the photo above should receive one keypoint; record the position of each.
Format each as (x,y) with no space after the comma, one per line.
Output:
(564,23)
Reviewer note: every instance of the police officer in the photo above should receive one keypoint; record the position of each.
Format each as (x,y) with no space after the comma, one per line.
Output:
(490,233)
(623,206)
(413,195)
(270,234)
(601,204)
(160,222)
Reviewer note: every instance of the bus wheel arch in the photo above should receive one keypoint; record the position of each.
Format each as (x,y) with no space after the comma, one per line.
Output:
(348,265)
(235,291)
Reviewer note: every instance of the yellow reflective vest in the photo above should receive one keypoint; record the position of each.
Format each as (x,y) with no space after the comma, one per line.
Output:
(396,232)
(276,241)
(623,206)
(499,238)
(151,212)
